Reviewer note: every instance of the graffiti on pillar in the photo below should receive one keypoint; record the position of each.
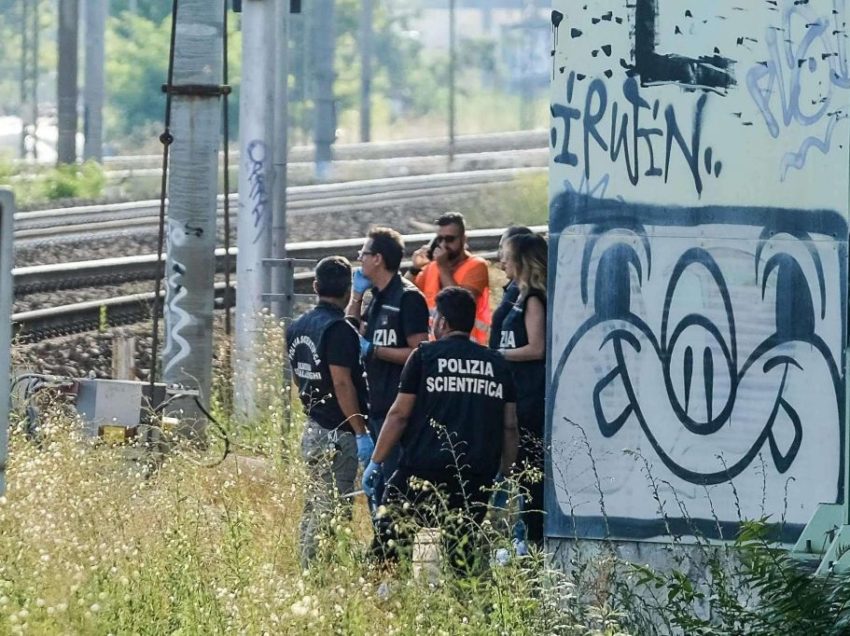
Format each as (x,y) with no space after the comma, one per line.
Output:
(805,80)
(698,244)
(177,348)
(258,195)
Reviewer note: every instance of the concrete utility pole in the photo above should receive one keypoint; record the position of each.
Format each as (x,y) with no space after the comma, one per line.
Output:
(324,110)
(256,187)
(366,26)
(66,83)
(192,190)
(96,11)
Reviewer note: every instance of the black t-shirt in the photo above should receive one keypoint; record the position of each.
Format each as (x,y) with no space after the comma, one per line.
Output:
(529,376)
(317,340)
(509,297)
(395,313)
(461,390)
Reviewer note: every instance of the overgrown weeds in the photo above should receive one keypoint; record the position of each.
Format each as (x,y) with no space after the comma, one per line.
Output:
(91,543)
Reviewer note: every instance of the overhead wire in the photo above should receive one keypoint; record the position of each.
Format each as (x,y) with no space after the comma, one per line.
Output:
(166,138)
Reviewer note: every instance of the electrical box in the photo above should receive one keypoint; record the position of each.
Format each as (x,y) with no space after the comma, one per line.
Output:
(115,409)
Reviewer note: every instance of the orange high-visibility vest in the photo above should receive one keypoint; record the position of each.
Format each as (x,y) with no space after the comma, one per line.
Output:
(431,287)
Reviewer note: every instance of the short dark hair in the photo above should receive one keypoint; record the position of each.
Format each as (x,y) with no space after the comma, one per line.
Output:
(452,218)
(333,277)
(389,244)
(457,306)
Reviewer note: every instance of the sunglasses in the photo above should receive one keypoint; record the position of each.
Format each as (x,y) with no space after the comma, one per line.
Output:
(446,239)
(363,253)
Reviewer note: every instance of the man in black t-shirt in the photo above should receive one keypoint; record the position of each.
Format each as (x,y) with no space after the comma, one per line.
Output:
(395,322)
(324,354)
(455,419)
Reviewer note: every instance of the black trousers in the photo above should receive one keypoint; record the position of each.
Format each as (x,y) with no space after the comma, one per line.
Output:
(531,454)
(457,505)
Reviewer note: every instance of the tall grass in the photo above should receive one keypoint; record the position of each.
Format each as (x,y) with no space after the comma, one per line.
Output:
(92,542)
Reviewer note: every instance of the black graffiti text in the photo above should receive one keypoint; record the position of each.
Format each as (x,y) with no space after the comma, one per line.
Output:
(644,139)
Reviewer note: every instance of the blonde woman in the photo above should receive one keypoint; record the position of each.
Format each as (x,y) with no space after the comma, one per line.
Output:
(522,341)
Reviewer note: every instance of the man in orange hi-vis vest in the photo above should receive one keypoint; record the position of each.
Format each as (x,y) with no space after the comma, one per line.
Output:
(451,264)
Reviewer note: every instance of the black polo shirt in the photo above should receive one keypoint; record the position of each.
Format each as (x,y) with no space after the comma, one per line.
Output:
(317,340)
(509,297)
(530,375)
(458,418)
(395,313)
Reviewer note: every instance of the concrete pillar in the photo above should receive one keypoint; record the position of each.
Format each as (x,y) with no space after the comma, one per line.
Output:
(66,82)
(93,94)
(323,40)
(256,175)
(192,190)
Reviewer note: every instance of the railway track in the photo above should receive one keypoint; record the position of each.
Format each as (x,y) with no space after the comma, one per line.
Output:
(336,198)
(32,326)
(464,144)
(138,174)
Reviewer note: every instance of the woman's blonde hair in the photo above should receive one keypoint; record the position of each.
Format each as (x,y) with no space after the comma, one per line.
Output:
(530,255)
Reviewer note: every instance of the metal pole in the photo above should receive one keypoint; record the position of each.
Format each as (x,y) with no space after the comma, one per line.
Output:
(451,80)
(323,47)
(281,146)
(7,210)
(94,88)
(192,190)
(366,19)
(36,36)
(256,180)
(24,75)
(66,83)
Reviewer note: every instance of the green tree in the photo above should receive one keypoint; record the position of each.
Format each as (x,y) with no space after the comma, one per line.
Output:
(136,68)
(154,10)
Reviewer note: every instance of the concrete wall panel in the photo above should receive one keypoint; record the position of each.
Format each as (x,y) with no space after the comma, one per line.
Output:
(699,204)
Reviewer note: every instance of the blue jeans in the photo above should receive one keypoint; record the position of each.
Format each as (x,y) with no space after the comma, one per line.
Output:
(500,501)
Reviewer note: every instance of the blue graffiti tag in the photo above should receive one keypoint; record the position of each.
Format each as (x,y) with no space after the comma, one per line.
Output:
(817,57)
(258,194)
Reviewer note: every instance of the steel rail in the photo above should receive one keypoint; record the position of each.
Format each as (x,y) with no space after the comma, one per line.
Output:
(306,201)
(344,168)
(492,142)
(40,324)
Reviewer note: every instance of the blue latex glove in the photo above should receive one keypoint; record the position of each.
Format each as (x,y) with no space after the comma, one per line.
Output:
(365,349)
(370,475)
(361,282)
(501,491)
(365,446)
